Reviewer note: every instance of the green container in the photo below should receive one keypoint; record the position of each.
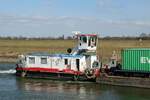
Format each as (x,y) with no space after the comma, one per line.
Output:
(136,59)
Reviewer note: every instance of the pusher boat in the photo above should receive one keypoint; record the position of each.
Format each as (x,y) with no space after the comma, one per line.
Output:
(79,64)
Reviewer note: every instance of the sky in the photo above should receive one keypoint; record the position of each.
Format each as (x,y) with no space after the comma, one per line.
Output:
(45,18)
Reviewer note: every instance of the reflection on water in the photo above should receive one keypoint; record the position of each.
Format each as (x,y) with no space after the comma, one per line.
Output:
(62,89)
(84,91)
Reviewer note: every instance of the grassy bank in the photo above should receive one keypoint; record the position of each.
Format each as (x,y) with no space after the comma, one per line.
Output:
(12,48)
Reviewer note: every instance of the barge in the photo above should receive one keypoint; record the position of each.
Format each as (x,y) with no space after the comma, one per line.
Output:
(132,70)
(79,64)
(139,82)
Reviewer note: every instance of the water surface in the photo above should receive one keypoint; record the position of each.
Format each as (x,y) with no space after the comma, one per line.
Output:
(15,88)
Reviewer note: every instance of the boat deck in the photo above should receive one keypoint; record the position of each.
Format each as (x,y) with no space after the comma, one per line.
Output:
(124,81)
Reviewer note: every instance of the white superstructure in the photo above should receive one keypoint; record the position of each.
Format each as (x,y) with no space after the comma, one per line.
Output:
(81,59)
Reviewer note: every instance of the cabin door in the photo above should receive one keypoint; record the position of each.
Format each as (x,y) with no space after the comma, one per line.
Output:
(78,64)
(88,61)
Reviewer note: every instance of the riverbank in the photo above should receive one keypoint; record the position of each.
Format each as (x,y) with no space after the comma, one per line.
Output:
(12,48)
(124,81)
(8,59)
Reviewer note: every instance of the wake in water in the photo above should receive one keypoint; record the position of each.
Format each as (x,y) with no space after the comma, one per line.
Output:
(10,71)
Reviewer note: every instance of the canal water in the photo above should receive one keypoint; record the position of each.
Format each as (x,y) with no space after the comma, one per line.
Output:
(15,88)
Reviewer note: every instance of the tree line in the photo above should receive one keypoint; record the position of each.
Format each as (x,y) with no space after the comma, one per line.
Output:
(143,36)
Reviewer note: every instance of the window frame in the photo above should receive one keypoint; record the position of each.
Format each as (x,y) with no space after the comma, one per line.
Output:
(42,60)
(31,60)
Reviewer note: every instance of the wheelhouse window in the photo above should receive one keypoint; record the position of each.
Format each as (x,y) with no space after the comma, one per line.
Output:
(84,39)
(31,60)
(92,41)
(43,60)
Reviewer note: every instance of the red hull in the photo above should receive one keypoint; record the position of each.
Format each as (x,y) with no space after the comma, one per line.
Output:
(52,73)
(53,70)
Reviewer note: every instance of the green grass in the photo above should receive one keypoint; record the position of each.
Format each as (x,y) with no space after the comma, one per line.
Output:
(16,47)
(12,48)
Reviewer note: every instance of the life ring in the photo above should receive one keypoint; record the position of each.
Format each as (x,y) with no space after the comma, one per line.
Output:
(90,73)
